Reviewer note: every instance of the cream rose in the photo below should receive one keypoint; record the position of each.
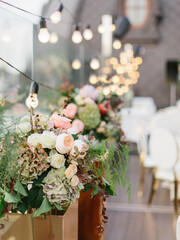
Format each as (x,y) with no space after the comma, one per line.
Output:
(71,171)
(56,160)
(64,143)
(34,139)
(48,139)
(73,130)
(74,181)
(81,146)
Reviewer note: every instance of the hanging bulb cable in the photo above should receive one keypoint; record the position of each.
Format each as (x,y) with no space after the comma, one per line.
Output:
(56,16)
(43,35)
(88,34)
(76,36)
(32,100)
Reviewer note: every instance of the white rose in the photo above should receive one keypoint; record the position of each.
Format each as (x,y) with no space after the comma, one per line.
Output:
(88,101)
(74,181)
(64,143)
(56,160)
(73,130)
(34,139)
(81,146)
(71,171)
(23,128)
(48,139)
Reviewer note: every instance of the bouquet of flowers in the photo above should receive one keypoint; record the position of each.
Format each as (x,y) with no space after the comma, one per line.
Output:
(45,162)
(94,114)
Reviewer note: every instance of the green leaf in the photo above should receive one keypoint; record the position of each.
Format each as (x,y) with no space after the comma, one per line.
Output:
(44,208)
(95,191)
(105,181)
(18,187)
(36,196)
(87,187)
(11,198)
(38,181)
(100,97)
(2,207)
(22,207)
(109,190)
(58,207)
(75,136)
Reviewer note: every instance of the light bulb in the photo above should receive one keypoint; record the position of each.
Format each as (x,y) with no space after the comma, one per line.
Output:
(95,64)
(76,64)
(88,34)
(56,16)
(113,27)
(106,91)
(76,36)
(93,79)
(43,35)
(117,44)
(32,101)
(53,38)
(101,28)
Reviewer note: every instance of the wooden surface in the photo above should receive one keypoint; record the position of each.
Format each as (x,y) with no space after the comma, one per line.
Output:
(133,220)
(89,216)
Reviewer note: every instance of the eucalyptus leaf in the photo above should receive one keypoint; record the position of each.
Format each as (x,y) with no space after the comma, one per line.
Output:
(95,191)
(100,97)
(18,187)
(44,208)
(36,196)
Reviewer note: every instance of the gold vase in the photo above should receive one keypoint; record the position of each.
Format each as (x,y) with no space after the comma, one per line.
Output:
(53,227)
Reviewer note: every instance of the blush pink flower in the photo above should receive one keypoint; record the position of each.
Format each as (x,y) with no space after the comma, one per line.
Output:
(61,122)
(70,111)
(64,143)
(88,91)
(79,124)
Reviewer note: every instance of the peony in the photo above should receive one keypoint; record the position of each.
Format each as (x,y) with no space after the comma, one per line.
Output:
(79,100)
(88,91)
(64,143)
(81,146)
(79,124)
(48,139)
(56,160)
(61,122)
(71,171)
(34,139)
(70,111)
(74,181)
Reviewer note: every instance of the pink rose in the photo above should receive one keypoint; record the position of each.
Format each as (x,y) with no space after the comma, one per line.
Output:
(70,111)
(79,124)
(88,91)
(61,122)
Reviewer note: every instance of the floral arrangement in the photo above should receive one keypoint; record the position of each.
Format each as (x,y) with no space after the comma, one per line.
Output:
(45,162)
(93,113)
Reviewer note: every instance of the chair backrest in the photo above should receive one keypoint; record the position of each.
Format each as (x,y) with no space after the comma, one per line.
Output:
(163,148)
(178,228)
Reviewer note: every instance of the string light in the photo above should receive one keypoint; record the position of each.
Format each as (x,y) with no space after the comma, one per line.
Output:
(95,64)
(88,34)
(53,38)
(56,16)
(43,35)
(101,28)
(93,79)
(76,36)
(32,100)
(117,44)
(76,64)
(113,27)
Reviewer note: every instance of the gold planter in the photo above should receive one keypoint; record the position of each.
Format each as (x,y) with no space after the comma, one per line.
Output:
(53,227)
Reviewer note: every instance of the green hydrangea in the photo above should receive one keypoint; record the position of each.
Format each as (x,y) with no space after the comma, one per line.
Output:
(90,116)
(32,162)
(58,189)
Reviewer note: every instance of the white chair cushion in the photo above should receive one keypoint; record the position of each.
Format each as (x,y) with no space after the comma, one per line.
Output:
(165,175)
(148,162)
